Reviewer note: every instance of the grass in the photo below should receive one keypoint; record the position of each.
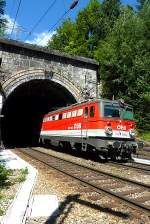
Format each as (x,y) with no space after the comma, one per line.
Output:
(7,180)
(23,175)
(1,210)
(4,176)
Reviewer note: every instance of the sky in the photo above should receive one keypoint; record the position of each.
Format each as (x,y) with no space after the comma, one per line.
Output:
(31,11)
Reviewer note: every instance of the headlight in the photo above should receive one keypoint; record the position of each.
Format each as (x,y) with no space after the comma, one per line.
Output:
(108,130)
(132,133)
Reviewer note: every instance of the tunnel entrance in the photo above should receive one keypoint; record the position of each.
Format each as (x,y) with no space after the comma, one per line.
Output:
(24,108)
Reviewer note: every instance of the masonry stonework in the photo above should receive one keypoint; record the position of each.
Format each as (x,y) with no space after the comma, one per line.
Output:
(22,62)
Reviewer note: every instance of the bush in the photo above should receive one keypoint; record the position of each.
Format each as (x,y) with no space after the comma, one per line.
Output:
(4,174)
(23,174)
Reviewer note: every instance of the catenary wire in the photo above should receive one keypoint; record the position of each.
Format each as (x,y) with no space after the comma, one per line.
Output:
(16,16)
(55,24)
(65,13)
(41,18)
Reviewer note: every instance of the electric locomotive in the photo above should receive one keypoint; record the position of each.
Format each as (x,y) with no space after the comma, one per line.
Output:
(105,127)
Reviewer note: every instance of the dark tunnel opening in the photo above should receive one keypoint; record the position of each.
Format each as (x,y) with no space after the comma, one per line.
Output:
(25,107)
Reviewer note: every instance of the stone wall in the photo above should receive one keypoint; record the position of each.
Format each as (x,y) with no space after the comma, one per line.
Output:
(77,74)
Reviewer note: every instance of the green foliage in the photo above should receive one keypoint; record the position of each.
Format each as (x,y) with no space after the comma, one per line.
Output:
(4,175)
(2,19)
(141,3)
(63,37)
(125,62)
(111,10)
(145,136)
(119,38)
(22,176)
(81,37)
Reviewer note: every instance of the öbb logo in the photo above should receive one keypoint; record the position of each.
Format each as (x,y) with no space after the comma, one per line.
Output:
(121,127)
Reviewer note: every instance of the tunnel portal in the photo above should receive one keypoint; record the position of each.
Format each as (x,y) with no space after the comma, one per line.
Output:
(25,107)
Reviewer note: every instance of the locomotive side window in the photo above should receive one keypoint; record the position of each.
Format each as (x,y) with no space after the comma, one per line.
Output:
(92,111)
(56,117)
(53,118)
(74,113)
(79,112)
(49,118)
(86,112)
(69,114)
(64,115)
(60,116)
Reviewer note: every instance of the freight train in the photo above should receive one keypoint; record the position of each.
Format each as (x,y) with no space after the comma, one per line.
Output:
(104,127)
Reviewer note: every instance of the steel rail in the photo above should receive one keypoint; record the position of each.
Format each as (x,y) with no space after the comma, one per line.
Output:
(132,166)
(99,171)
(131,203)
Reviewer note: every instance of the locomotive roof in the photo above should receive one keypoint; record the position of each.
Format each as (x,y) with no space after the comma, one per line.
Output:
(74,105)
(85,102)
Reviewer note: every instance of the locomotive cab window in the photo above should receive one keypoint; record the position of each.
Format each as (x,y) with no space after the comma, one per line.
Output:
(111,110)
(86,112)
(53,118)
(127,113)
(92,111)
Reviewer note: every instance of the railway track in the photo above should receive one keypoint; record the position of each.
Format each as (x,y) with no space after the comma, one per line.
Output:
(144,153)
(132,193)
(132,165)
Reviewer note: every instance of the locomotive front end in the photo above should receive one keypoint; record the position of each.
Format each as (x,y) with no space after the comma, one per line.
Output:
(119,129)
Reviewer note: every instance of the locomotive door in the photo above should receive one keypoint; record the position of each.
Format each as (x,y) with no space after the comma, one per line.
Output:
(84,129)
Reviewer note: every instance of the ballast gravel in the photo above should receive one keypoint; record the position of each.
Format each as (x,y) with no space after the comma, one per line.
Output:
(77,203)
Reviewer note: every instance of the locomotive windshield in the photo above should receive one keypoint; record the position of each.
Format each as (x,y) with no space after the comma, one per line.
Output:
(111,110)
(126,113)
(114,110)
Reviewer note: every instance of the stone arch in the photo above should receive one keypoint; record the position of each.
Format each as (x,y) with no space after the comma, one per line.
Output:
(29,94)
(20,77)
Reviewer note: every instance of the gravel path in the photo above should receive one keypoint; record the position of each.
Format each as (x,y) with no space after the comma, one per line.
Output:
(76,203)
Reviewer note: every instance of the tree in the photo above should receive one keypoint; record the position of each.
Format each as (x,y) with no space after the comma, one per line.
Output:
(90,28)
(111,9)
(63,39)
(81,37)
(125,61)
(2,20)
(141,3)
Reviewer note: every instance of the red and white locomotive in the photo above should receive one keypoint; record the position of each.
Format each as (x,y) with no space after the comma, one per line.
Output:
(105,127)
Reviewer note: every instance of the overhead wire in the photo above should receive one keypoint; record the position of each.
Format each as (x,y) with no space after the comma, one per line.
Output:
(41,18)
(13,3)
(55,24)
(16,17)
(73,5)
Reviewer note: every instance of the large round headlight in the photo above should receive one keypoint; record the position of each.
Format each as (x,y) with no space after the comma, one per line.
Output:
(132,133)
(108,130)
